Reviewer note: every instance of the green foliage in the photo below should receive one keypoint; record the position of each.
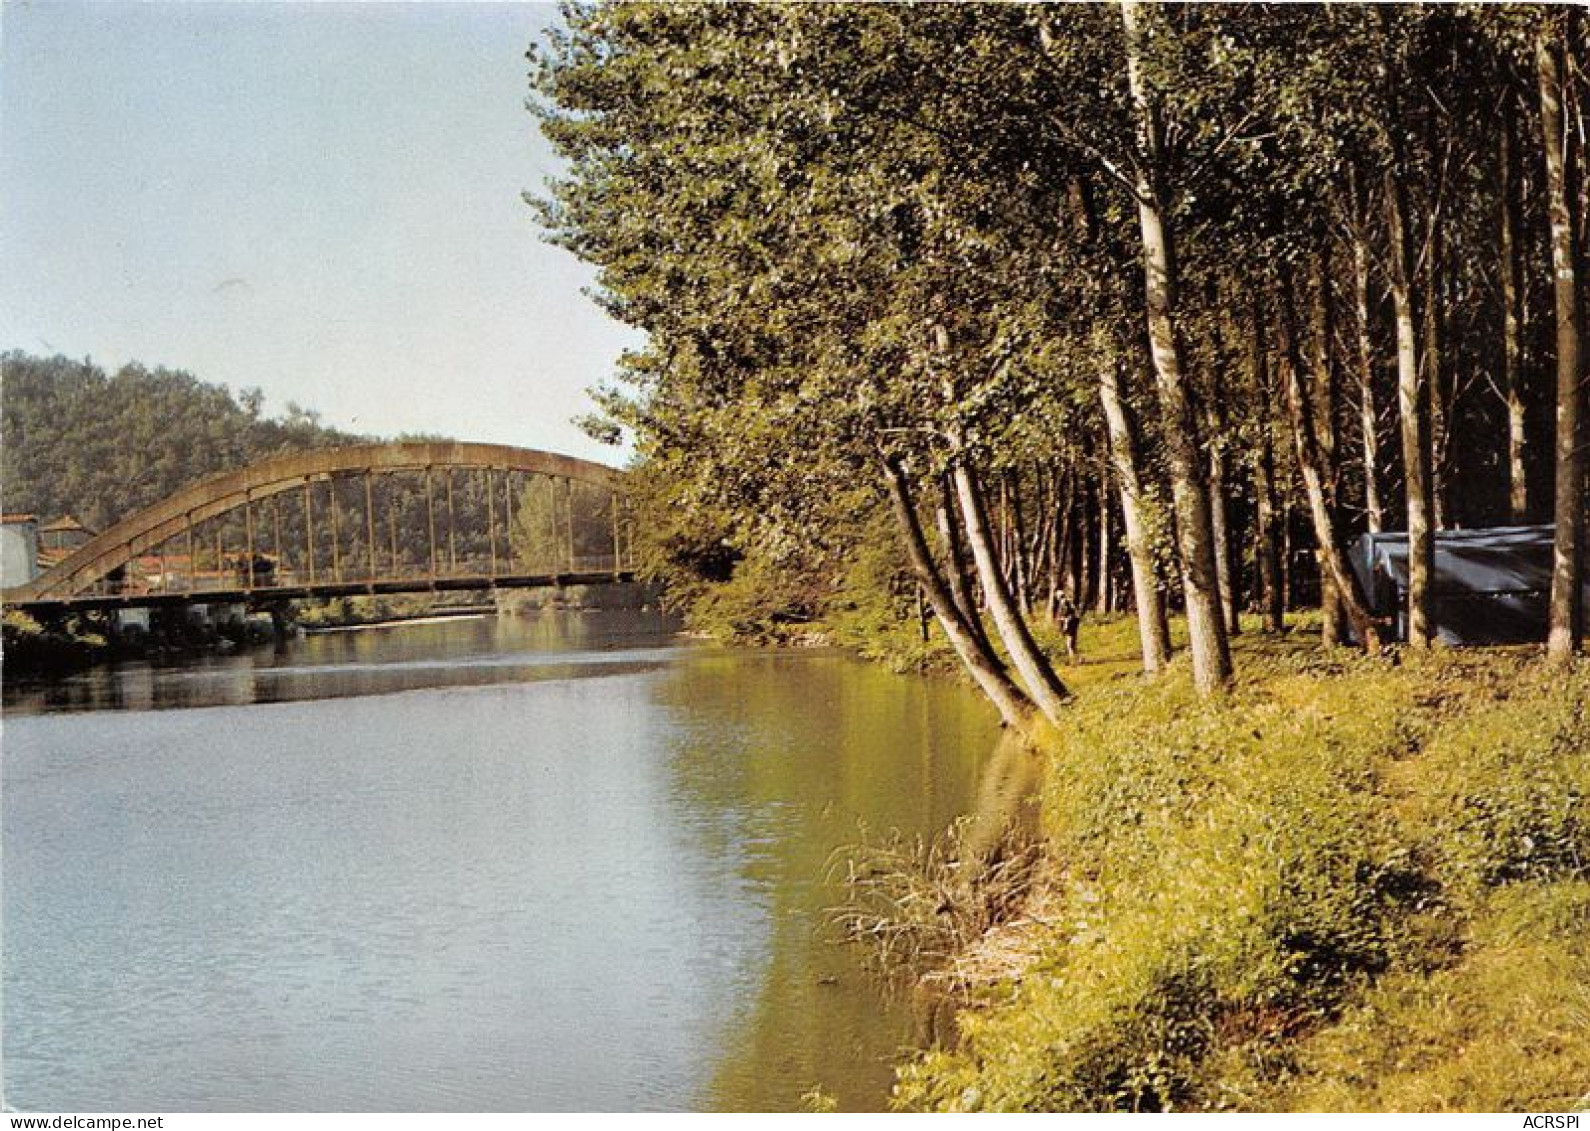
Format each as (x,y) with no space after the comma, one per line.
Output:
(1252,887)
(338,611)
(817,1100)
(874,608)
(1506,1027)
(846,228)
(29,646)
(759,603)
(552,518)
(788,247)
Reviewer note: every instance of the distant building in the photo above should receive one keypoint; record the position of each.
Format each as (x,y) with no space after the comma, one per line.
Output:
(65,533)
(59,538)
(19,549)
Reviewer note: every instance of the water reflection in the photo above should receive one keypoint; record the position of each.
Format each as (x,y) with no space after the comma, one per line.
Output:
(509,889)
(456,652)
(797,755)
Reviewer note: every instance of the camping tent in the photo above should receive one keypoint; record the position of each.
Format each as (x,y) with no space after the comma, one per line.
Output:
(1491,586)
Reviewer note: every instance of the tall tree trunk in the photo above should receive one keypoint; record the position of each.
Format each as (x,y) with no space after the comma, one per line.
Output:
(1043,571)
(1512,327)
(1060,550)
(1271,582)
(1043,686)
(1322,419)
(1153,628)
(1105,597)
(1368,414)
(1082,559)
(1228,565)
(1288,575)
(1437,371)
(1206,628)
(1219,484)
(960,582)
(1269,540)
(1565,617)
(1000,527)
(1012,704)
(1126,454)
(1018,542)
(1311,464)
(1413,403)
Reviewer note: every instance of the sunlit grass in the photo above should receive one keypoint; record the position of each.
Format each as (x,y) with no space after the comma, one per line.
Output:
(1346,883)
(1505,1028)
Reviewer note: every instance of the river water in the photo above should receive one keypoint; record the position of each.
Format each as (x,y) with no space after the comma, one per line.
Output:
(563,862)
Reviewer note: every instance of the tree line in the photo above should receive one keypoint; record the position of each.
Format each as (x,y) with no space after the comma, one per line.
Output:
(100,446)
(1044,287)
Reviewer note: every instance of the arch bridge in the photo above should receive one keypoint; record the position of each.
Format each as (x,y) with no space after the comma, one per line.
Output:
(400,517)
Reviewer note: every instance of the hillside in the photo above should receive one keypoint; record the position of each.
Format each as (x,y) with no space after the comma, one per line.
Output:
(78,440)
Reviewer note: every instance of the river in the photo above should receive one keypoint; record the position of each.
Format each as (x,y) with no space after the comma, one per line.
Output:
(560,862)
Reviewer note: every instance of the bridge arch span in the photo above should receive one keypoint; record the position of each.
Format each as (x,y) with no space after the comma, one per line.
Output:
(114,548)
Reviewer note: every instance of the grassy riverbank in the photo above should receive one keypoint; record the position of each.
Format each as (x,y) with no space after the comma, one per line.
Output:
(1349,884)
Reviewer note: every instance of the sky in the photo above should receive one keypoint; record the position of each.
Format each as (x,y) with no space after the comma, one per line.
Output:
(320,200)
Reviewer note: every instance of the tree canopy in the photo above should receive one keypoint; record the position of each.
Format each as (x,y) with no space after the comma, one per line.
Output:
(1134,288)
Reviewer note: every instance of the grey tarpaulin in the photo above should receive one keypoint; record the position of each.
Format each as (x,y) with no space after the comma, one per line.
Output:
(1491,586)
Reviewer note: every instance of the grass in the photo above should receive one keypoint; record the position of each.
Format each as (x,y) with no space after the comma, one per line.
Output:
(1503,1028)
(1346,884)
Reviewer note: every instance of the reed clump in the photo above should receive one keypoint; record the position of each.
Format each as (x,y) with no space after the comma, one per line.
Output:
(918,904)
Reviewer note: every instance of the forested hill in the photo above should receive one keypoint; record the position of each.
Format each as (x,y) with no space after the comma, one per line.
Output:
(99,446)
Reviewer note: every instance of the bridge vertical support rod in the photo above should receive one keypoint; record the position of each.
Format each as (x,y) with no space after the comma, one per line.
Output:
(165,576)
(628,514)
(612,507)
(430,517)
(309,529)
(452,528)
(336,531)
(391,529)
(554,556)
(568,518)
(491,518)
(276,542)
(193,564)
(507,514)
(248,533)
(369,521)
